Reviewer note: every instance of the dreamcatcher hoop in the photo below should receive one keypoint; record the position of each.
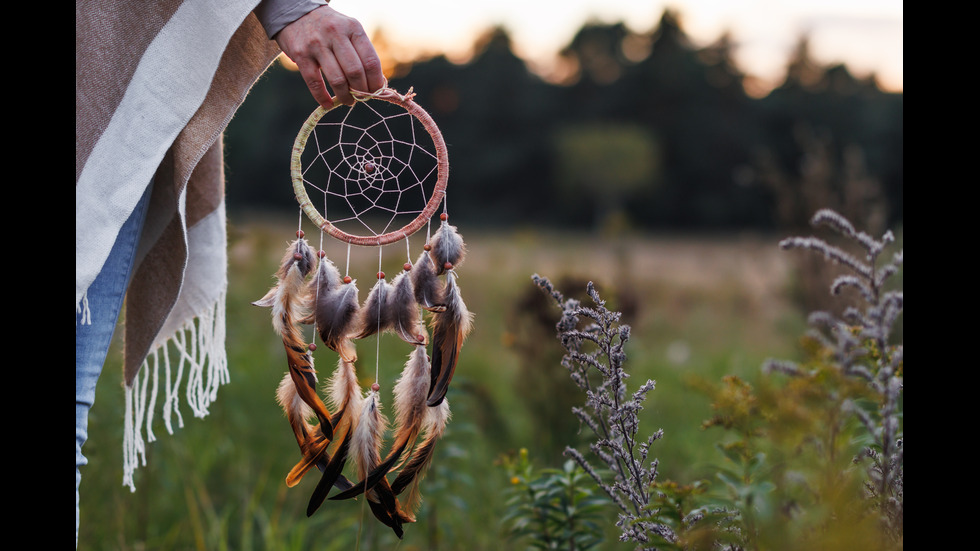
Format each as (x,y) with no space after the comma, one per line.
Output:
(439,191)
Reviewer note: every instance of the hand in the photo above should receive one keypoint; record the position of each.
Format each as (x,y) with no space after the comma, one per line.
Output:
(327,44)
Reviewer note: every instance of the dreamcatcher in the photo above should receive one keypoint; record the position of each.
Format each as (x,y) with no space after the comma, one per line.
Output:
(369,175)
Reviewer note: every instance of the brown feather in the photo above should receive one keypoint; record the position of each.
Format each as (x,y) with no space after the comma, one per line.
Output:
(410,394)
(287,300)
(415,468)
(449,330)
(345,395)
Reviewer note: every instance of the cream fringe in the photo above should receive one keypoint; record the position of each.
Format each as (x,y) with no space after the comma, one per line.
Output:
(199,349)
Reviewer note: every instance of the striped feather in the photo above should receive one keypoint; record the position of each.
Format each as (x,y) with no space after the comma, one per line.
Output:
(345,395)
(415,468)
(287,300)
(410,395)
(449,329)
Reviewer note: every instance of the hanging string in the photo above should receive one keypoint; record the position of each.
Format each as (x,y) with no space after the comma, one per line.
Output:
(347,269)
(377,354)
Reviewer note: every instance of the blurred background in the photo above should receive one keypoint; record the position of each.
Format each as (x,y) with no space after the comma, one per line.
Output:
(660,150)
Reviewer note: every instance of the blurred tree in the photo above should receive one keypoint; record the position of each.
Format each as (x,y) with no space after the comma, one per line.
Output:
(603,165)
(502,124)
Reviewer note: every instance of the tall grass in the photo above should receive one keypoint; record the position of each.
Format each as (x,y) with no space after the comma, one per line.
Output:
(702,307)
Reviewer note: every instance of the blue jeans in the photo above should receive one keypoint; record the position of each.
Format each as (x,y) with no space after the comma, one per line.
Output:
(105,299)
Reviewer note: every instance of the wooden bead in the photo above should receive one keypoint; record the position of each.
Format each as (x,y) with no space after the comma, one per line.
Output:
(381,275)
(312,347)
(427,247)
(448,265)
(300,234)
(369,167)
(375,387)
(297,256)
(347,279)
(322,253)
(407,266)
(443,217)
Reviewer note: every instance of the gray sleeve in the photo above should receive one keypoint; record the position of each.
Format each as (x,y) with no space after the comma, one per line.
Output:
(276,14)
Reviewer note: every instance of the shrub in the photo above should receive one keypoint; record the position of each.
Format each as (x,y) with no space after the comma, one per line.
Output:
(813,458)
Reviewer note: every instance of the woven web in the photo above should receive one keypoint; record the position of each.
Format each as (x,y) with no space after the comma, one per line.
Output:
(371,167)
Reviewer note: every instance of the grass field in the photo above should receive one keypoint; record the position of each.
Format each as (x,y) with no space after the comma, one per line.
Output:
(699,307)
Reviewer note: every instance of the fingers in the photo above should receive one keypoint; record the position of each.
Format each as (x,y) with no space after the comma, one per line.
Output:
(332,50)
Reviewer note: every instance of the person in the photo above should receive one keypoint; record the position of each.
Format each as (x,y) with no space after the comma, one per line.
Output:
(154,90)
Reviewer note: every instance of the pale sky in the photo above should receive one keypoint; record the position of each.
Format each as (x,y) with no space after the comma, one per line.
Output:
(866,35)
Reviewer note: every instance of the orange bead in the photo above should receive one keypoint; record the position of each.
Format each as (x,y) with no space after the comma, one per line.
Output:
(407,266)
(322,253)
(427,247)
(300,234)
(443,217)
(347,279)
(381,275)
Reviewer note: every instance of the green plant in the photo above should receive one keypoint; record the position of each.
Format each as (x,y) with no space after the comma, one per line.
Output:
(552,508)
(812,455)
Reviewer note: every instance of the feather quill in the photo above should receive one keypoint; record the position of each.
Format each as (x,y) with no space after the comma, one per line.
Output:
(425,284)
(449,329)
(334,309)
(447,248)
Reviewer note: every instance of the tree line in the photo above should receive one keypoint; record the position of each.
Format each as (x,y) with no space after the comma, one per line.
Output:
(649,131)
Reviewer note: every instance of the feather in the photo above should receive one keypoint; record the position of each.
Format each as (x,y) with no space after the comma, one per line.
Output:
(374,317)
(296,410)
(365,446)
(331,474)
(425,284)
(449,330)
(447,248)
(287,299)
(345,395)
(368,433)
(391,307)
(414,470)
(406,319)
(334,309)
(410,395)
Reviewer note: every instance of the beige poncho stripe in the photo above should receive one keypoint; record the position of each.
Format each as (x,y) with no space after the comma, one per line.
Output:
(155,85)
